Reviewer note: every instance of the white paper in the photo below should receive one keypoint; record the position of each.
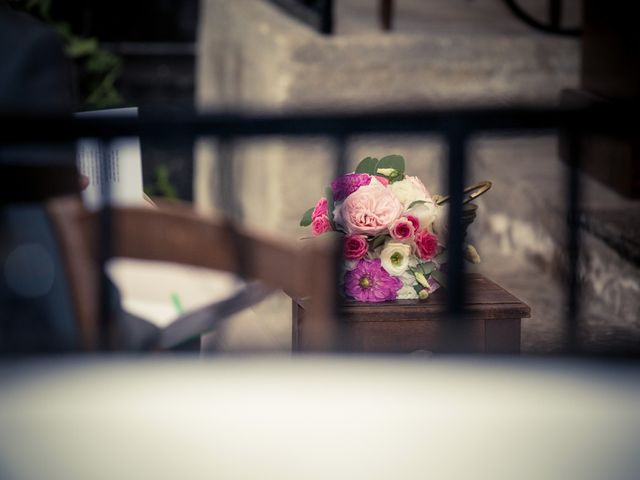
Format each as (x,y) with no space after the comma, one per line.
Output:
(146,288)
(122,172)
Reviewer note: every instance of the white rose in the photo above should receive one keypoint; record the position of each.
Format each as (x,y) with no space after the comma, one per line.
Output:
(407,293)
(426,213)
(441,223)
(409,190)
(395,257)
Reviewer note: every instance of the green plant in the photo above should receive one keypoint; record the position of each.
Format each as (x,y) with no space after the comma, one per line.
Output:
(98,68)
(162,185)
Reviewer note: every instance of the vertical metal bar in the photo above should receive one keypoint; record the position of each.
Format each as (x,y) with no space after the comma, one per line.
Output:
(340,169)
(555,13)
(386,15)
(105,239)
(457,140)
(326,17)
(572,340)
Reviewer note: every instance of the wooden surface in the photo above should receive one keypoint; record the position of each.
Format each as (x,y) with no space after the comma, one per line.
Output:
(491,323)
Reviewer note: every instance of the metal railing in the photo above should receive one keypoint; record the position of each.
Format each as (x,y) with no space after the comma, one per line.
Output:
(318,14)
(554,22)
(457,127)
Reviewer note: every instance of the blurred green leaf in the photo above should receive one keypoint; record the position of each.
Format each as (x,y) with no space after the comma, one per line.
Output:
(379,240)
(367,165)
(439,277)
(395,162)
(80,47)
(305,221)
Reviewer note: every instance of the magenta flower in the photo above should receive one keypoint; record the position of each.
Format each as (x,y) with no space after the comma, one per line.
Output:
(369,282)
(347,184)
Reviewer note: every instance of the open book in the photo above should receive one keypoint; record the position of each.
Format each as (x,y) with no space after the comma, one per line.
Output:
(114,168)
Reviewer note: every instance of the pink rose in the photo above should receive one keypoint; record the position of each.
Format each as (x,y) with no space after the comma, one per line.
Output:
(320,209)
(355,247)
(414,221)
(383,180)
(426,244)
(402,229)
(320,225)
(369,210)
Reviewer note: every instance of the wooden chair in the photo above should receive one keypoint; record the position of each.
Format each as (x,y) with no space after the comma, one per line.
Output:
(175,233)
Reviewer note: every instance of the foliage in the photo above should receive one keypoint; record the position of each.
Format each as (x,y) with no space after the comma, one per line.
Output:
(162,186)
(98,68)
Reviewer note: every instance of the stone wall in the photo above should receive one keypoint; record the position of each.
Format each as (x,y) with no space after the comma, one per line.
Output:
(253,57)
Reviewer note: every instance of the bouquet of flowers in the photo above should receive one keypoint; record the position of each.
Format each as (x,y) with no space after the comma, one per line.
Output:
(393,229)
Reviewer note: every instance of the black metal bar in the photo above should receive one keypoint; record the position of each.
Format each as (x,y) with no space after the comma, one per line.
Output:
(339,269)
(525,17)
(555,14)
(572,342)
(326,17)
(457,143)
(386,15)
(319,18)
(34,129)
(105,249)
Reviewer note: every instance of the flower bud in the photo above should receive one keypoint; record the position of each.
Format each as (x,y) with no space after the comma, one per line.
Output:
(471,254)
(422,280)
(388,172)
(423,294)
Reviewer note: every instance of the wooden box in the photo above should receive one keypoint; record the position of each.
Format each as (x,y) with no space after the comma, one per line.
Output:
(491,323)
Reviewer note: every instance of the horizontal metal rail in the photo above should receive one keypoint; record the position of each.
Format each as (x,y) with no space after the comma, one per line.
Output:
(56,128)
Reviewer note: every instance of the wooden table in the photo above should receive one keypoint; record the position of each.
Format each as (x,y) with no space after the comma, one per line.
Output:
(491,323)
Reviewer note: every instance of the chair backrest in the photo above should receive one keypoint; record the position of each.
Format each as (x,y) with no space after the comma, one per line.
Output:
(175,233)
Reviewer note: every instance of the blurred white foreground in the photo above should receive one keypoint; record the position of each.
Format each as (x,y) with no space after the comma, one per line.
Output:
(308,418)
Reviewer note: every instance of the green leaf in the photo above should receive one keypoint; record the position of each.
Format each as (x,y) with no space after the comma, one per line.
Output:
(306,218)
(82,46)
(416,202)
(439,277)
(367,165)
(329,195)
(428,267)
(379,240)
(442,258)
(395,162)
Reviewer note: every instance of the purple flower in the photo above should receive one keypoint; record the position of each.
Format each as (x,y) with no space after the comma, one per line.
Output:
(369,282)
(347,184)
